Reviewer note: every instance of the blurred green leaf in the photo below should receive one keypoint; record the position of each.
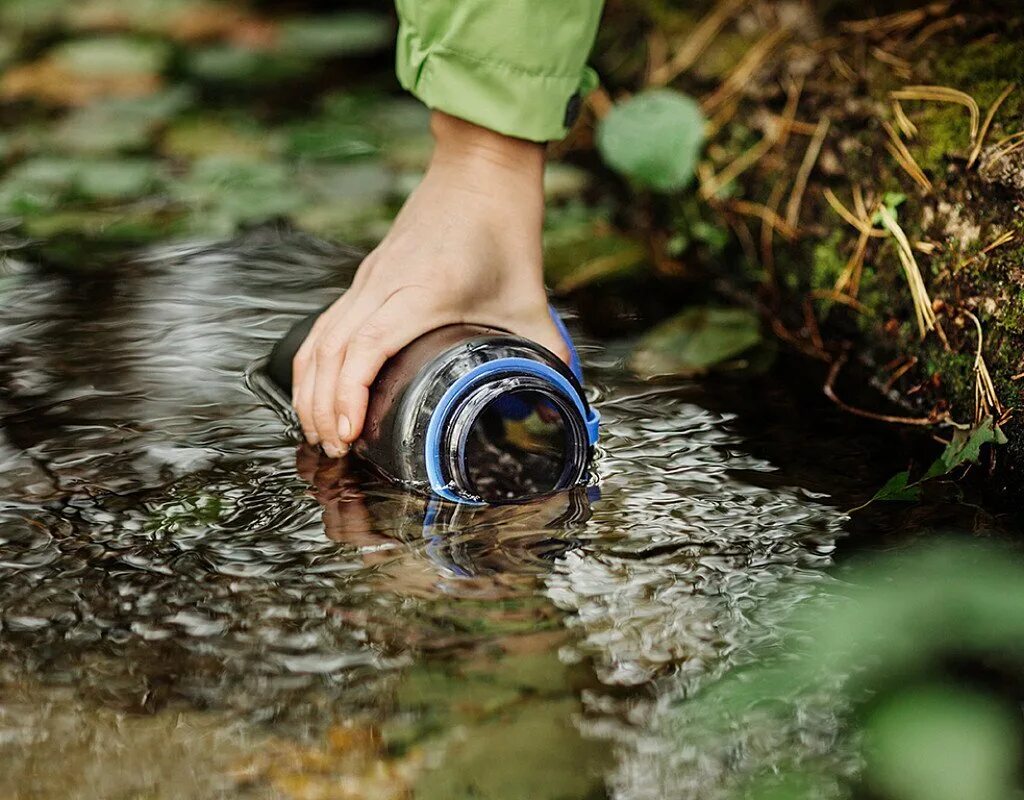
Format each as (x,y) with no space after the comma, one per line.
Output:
(112,55)
(942,743)
(31,16)
(343,34)
(331,140)
(46,182)
(654,138)
(223,193)
(234,64)
(116,125)
(696,341)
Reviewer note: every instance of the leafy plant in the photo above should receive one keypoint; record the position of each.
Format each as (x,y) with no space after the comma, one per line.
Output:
(696,341)
(965,448)
(654,138)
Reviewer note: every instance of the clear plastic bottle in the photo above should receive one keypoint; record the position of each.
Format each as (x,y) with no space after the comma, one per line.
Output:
(472,414)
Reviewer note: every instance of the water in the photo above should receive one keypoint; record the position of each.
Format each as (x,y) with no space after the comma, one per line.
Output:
(192,606)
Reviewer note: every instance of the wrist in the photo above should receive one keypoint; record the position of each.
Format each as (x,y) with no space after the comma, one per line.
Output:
(476,148)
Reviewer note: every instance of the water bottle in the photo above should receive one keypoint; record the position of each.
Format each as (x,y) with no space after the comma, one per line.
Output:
(471,414)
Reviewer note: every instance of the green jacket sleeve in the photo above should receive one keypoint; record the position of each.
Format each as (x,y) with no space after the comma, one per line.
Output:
(514,66)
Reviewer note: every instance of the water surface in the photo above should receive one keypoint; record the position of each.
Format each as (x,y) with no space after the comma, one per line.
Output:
(193,606)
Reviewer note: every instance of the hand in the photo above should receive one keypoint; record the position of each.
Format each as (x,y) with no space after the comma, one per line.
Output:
(466,247)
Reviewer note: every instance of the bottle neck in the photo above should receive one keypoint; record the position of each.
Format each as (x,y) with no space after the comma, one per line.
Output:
(513,437)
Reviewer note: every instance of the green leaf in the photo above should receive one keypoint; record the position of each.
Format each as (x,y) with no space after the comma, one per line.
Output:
(899,487)
(223,193)
(232,64)
(966,447)
(942,743)
(695,341)
(30,16)
(344,34)
(112,55)
(892,201)
(41,183)
(654,138)
(110,126)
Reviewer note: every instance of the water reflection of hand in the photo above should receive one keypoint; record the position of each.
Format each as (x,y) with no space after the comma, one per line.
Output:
(430,547)
(345,514)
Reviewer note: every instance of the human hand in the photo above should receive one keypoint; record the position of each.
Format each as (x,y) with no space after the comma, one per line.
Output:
(465,248)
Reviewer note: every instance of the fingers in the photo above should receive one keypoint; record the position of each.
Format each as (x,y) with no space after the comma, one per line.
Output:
(381,335)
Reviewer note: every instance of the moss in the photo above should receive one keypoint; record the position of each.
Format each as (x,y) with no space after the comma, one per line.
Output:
(944,130)
(827,263)
(981,61)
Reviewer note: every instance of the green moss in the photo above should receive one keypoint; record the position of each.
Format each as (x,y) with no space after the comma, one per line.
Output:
(981,61)
(828,263)
(944,129)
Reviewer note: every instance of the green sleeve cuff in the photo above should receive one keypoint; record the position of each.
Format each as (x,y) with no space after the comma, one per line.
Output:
(495,95)
(514,66)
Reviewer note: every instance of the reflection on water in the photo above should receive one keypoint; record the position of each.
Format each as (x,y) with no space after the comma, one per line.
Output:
(167,554)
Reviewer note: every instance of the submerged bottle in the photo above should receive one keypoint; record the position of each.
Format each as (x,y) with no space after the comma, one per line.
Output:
(472,414)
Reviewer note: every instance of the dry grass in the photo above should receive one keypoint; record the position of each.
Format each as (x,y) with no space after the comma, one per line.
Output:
(923,311)
(942,94)
(900,21)
(697,42)
(989,116)
(986,401)
(898,150)
(804,173)
(745,69)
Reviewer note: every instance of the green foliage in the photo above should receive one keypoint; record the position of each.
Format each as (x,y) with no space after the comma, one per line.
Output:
(345,34)
(939,742)
(654,138)
(964,448)
(696,341)
(112,55)
(869,649)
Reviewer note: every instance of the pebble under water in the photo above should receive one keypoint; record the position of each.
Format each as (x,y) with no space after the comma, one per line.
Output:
(191,606)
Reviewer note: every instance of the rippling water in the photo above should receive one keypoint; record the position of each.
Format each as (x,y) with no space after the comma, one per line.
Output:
(192,606)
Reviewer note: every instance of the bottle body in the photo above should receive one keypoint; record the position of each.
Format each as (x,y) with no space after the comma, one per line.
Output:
(472,414)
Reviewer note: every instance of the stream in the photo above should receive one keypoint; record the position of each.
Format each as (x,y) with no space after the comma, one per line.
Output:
(193,606)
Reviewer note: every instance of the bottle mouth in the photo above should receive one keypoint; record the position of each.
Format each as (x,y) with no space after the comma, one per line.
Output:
(514,438)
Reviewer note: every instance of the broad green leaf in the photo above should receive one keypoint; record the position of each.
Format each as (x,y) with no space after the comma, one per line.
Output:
(942,743)
(966,447)
(40,183)
(654,138)
(112,55)
(223,193)
(343,34)
(696,341)
(232,64)
(899,487)
(110,126)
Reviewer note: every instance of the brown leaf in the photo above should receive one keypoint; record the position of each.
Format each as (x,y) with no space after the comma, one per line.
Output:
(50,82)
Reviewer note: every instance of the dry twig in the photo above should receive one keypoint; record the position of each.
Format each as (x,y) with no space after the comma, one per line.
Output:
(830,393)
(989,116)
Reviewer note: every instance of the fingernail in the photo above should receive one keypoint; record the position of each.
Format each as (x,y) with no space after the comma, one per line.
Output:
(332,450)
(312,438)
(344,427)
